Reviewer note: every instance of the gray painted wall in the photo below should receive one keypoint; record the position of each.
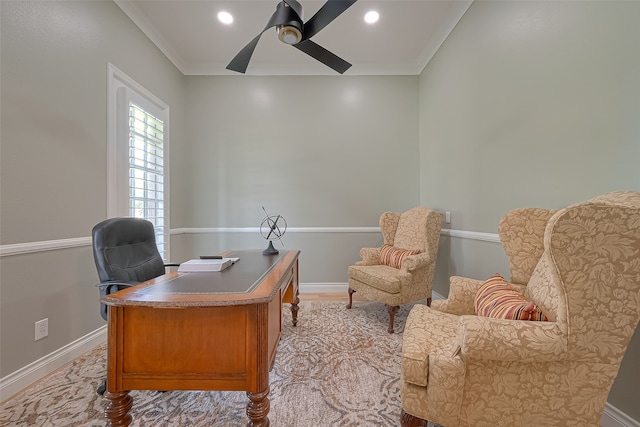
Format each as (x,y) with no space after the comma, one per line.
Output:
(321,151)
(531,104)
(527,103)
(53,173)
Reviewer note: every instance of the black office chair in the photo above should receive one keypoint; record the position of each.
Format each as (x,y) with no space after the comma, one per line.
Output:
(126,254)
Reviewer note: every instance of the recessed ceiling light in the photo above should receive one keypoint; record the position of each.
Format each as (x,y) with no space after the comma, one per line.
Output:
(225,17)
(371,17)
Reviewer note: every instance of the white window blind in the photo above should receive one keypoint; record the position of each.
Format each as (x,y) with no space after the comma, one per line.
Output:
(146,170)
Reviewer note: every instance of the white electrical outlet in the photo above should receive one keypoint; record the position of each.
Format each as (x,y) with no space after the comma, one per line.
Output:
(42,329)
(447,217)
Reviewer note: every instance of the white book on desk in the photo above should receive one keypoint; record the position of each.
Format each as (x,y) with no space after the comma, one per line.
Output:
(195,265)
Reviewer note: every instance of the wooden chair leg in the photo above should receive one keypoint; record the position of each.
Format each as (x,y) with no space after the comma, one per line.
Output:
(351,291)
(392,309)
(408,420)
(429,302)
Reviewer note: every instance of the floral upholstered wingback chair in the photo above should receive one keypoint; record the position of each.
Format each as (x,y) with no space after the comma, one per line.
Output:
(467,364)
(521,233)
(402,270)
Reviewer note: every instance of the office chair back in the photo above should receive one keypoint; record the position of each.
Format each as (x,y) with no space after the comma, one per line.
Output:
(125,253)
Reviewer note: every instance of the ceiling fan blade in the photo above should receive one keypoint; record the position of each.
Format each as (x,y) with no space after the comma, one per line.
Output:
(282,15)
(323,55)
(240,62)
(323,17)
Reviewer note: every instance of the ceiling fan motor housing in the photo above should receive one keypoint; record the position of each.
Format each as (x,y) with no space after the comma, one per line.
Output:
(290,32)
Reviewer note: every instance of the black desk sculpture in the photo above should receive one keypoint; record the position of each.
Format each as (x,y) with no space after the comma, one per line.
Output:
(272,228)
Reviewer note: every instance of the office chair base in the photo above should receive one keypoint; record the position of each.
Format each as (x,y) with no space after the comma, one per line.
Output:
(102,388)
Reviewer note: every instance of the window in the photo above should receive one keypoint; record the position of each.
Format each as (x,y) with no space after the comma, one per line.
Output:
(146,169)
(137,158)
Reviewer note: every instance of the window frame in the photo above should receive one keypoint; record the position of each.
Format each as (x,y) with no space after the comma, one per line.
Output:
(121,90)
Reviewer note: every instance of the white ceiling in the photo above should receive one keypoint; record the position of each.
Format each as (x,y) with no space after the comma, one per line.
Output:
(402,42)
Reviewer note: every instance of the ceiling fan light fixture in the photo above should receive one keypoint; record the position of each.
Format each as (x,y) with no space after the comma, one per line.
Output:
(289,35)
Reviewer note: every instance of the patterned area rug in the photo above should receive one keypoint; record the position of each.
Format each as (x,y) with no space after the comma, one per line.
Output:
(338,367)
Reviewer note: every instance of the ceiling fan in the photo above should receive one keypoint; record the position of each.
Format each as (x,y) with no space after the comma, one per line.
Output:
(288,20)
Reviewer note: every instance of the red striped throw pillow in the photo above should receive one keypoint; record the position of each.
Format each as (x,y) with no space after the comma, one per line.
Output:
(393,257)
(497,299)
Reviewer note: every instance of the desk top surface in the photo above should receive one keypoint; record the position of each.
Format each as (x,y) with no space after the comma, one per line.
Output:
(254,278)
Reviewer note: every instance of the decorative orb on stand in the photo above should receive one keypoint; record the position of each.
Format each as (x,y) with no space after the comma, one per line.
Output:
(272,228)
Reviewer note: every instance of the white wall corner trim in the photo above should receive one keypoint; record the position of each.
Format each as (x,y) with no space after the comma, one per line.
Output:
(24,377)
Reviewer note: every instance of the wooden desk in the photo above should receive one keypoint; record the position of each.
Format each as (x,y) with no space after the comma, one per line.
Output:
(201,331)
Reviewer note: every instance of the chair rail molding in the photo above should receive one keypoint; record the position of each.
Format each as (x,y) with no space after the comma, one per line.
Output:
(45,245)
(207,230)
(52,245)
(472,235)
(613,417)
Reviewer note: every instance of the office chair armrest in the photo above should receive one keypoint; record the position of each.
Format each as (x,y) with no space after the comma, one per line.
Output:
(108,288)
(120,285)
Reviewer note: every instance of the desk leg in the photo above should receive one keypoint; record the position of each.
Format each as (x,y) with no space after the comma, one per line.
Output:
(295,308)
(117,411)
(258,409)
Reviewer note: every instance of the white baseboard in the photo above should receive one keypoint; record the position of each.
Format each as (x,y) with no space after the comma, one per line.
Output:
(320,288)
(323,288)
(26,376)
